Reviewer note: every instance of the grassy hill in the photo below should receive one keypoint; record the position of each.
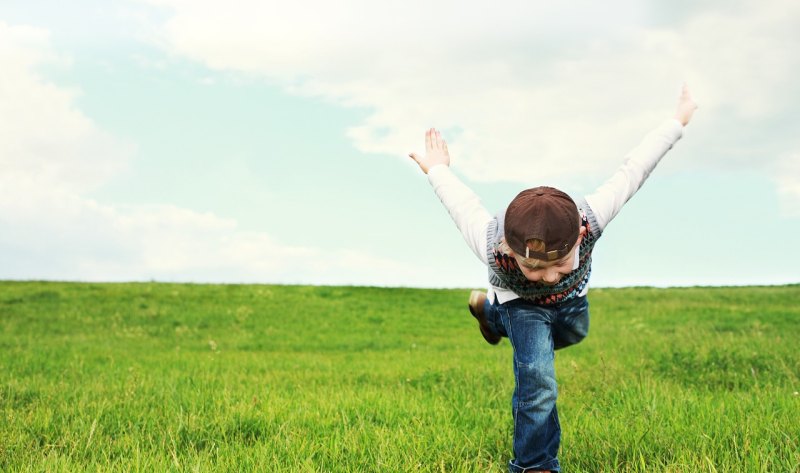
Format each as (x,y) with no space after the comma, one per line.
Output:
(180,377)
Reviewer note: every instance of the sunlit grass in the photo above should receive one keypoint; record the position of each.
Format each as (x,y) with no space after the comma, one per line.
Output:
(174,377)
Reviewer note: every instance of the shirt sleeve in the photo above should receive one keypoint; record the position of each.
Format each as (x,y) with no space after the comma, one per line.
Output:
(464,206)
(608,199)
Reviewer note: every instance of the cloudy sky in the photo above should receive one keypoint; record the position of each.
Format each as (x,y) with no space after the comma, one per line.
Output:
(261,141)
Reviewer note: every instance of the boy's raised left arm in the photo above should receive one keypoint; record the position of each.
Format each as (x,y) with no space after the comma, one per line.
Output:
(686,106)
(608,199)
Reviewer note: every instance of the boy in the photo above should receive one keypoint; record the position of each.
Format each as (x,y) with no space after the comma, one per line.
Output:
(538,251)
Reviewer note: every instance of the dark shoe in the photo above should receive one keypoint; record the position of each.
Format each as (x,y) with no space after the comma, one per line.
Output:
(476,301)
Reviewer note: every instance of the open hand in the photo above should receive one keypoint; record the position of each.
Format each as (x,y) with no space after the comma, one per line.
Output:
(686,106)
(435,151)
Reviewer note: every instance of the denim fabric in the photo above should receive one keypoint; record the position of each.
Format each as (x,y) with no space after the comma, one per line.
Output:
(535,332)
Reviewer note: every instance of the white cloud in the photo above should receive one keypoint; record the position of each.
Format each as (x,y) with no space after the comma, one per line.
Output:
(51,155)
(43,137)
(525,91)
(65,236)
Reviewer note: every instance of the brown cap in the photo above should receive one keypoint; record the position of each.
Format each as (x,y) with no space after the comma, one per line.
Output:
(542,213)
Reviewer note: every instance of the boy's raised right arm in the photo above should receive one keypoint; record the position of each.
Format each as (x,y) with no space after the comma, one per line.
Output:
(435,151)
(464,206)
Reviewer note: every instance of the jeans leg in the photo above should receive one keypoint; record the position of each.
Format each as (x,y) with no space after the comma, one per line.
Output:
(537,433)
(571,324)
(493,317)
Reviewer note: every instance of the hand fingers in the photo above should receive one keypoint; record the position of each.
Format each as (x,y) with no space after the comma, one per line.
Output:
(685,98)
(685,94)
(434,140)
(414,157)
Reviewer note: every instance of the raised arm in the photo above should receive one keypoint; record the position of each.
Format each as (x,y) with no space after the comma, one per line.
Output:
(464,206)
(608,199)
(435,151)
(686,106)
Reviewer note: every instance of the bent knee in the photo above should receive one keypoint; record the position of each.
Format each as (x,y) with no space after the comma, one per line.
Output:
(570,333)
(577,334)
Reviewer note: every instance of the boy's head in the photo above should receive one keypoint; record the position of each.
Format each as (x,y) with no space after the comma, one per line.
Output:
(542,223)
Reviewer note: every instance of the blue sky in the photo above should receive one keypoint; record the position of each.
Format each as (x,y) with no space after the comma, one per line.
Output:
(257,141)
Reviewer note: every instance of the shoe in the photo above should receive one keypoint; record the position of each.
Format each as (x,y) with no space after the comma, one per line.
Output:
(476,301)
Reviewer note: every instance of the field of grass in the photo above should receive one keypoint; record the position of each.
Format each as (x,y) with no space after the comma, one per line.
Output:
(177,377)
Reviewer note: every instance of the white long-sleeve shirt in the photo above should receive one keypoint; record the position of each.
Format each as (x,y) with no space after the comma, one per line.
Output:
(472,218)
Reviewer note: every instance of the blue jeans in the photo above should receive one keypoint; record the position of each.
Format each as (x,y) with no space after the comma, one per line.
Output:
(535,332)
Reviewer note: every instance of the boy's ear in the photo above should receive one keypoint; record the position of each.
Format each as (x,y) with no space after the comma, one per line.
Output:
(581,235)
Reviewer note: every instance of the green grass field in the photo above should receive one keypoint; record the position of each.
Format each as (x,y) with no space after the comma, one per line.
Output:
(176,377)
